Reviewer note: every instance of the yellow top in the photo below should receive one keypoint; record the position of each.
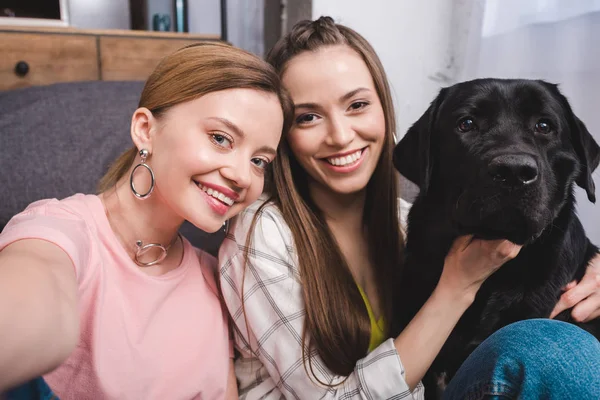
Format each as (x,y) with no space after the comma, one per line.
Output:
(378,328)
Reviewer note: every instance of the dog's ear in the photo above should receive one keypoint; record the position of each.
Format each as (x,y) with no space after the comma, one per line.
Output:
(588,153)
(412,155)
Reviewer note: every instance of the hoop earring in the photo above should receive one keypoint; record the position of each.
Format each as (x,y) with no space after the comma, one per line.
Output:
(142,196)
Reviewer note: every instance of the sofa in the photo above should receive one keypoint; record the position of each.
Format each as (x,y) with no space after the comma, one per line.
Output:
(59,139)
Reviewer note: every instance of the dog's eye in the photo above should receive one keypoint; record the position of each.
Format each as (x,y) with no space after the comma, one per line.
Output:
(543,126)
(466,125)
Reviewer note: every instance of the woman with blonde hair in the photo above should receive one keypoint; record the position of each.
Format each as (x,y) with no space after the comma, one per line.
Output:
(309,272)
(100,294)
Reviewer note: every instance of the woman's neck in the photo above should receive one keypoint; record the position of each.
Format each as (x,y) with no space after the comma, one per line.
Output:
(149,221)
(339,209)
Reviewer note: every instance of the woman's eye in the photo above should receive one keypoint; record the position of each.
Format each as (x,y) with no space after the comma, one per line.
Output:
(306,118)
(357,105)
(260,163)
(221,140)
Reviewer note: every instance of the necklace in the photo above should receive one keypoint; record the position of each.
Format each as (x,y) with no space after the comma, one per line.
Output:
(141,249)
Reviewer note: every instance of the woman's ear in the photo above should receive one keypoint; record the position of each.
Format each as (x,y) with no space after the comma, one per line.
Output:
(143,125)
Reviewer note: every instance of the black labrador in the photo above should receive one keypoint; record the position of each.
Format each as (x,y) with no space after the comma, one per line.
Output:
(496,159)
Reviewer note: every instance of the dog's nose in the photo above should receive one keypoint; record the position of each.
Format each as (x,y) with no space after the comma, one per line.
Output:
(514,169)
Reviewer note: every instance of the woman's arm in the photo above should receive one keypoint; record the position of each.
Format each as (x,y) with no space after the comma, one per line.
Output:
(39,323)
(468,264)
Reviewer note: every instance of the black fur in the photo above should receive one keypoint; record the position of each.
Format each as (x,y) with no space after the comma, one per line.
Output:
(463,191)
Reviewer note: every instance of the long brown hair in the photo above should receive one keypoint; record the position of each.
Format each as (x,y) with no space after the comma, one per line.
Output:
(192,72)
(337,323)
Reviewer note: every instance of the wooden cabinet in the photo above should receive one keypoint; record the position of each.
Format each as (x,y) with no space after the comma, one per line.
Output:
(41,56)
(127,58)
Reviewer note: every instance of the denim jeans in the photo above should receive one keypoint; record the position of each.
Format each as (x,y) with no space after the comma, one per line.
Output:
(36,389)
(532,359)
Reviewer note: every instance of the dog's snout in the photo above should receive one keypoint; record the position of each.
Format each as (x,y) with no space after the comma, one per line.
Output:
(514,169)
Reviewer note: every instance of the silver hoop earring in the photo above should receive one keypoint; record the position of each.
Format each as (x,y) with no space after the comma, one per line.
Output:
(142,196)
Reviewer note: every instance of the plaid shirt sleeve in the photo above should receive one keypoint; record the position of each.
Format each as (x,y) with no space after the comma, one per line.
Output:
(268,326)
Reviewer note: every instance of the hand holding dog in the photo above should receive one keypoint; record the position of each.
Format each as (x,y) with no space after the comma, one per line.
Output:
(471,261)
(584,296)
(467,265)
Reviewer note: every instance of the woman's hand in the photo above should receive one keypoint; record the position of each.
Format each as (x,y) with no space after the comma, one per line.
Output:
(471,261)
(584,296)
(468,263)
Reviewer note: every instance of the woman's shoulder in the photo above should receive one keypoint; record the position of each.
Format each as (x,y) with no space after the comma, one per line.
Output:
(69,223)
(265,207)
(258,236)
(73,205)
(262,214)
(261,225)
(78,209)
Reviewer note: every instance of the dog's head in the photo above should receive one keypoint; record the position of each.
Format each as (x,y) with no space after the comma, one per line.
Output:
(501,155)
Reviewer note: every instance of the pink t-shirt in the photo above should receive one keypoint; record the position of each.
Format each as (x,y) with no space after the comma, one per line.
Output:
(142,337)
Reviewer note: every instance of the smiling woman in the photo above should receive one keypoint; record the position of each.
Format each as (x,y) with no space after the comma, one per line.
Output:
(327,240)
(112,301)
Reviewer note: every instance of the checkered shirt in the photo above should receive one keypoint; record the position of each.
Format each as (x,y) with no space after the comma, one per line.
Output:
(269,335)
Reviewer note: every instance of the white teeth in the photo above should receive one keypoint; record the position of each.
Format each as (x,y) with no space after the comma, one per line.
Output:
(217,195)
(343,161)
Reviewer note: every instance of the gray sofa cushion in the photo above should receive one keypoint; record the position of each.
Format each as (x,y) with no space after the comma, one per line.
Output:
(59,139)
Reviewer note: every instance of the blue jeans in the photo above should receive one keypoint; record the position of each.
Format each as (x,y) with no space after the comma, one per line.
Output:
(36,389)
(533,359)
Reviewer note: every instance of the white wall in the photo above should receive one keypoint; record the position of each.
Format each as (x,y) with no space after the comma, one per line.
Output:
(416,41)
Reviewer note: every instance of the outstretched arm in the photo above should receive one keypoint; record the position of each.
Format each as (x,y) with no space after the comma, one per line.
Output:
(38,310)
